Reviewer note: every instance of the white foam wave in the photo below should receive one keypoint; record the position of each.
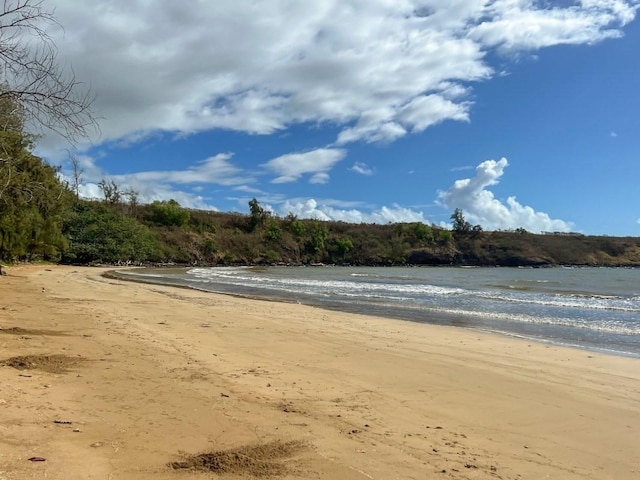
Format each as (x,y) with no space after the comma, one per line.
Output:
(360,286)
(560,309)
(600,326)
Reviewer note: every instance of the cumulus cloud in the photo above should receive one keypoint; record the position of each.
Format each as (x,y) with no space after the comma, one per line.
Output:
(311,209)
(481,207)
(317,163)
(377,69)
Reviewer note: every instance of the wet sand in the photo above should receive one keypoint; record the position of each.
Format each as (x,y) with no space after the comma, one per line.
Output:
(102,378)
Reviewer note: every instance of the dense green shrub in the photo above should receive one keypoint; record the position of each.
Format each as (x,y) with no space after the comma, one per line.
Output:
(98,233)
(168,213)
(33,200)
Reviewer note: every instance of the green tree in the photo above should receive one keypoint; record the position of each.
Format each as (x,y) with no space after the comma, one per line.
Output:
(168,213)
(343,247)
(297,228)
(444,237)
(33,200)
(257,214)
(209,247)
(422,232)
(273,231)
(317,237)
(460,225)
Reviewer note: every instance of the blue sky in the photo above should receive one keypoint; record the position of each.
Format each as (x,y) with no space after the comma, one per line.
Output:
(522,113)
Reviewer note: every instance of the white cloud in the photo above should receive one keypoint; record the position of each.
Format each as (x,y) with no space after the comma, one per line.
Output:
(378,69)
(319,178)
(480,206)
(427,110)
(292,166)
(311,209)
(89,190)
(148,193)
(516,26)
(462,168)
(164,184)
(213,170)
(247,189)
(361,168)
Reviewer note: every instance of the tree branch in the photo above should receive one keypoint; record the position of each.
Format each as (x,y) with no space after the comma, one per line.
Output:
(30,73)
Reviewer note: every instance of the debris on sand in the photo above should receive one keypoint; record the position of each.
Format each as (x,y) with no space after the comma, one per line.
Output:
(29,331)
(45,363)
(254,460)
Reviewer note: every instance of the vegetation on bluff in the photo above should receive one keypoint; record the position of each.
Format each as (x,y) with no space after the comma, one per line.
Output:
(42,217)
(163,232)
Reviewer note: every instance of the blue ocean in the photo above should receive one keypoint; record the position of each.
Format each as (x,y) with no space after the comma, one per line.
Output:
(591,308)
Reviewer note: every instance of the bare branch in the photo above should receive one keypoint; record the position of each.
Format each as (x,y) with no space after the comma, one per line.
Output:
(51,96)
(76,174)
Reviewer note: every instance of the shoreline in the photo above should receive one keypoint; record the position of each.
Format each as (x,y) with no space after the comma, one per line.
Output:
(429,317)
(161,370)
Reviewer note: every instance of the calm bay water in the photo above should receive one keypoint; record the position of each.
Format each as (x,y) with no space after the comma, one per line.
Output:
(593,308)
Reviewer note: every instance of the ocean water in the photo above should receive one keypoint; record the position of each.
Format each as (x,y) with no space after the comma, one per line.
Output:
(591,308)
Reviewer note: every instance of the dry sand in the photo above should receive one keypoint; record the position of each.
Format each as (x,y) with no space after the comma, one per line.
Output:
(149,376)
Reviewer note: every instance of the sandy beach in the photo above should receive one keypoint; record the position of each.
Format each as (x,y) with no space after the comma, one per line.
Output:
(106,379)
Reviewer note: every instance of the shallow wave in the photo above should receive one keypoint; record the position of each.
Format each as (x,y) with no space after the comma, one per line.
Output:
(537,281)
(134,273)
(547,311)
(242,276)
(239,277)
(599,326)
(588,302)
(565,343)
(510,287)
(217,272)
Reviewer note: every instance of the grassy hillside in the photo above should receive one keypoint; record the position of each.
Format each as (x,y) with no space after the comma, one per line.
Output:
(165,233)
